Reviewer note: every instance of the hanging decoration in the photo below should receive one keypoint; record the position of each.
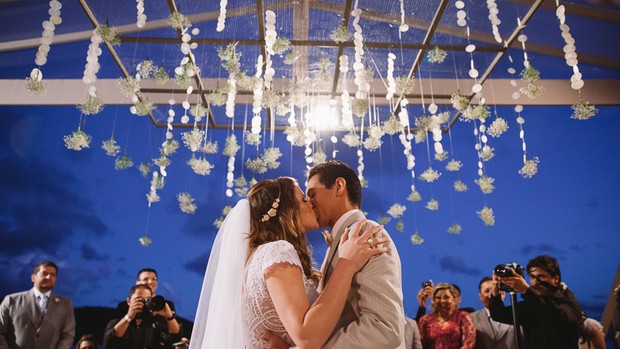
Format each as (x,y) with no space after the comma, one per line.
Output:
(141,17)
(34,83)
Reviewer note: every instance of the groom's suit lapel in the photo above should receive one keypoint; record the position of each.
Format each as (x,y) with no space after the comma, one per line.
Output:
(357,216)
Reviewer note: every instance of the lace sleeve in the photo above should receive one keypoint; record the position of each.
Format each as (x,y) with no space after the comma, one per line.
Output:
(277,252)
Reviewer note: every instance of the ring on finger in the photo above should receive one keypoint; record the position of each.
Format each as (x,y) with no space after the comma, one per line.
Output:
(370,241)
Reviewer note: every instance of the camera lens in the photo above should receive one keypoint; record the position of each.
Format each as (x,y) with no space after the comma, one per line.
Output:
(156,303)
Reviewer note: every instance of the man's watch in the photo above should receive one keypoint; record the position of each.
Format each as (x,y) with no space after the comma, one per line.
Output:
(174,315)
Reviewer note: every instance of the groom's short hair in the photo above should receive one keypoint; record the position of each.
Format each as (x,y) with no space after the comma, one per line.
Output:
(330,170)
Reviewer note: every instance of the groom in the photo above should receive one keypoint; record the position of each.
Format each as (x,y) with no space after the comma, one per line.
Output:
(373,316)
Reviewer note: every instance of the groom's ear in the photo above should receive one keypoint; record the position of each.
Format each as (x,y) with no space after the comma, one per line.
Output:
(341,185)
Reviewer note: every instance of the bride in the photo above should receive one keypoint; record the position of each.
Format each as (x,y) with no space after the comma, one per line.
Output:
(259,280)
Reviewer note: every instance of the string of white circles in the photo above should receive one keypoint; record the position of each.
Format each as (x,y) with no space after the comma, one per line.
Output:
(185,68)
(347,114)
(222,17)
(47,38)
(92,63)
(391,88)
(257,98)
(141,17)
(569,49)
(494,19)
(363,87)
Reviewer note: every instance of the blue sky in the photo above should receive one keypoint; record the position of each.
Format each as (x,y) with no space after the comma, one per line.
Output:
(77,210)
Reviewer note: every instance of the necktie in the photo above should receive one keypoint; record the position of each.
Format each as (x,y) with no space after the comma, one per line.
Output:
(42,302)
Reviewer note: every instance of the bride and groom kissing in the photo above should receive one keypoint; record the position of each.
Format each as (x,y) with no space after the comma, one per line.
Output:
(260,290)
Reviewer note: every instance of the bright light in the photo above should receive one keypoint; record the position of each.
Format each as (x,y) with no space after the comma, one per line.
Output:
(324,116)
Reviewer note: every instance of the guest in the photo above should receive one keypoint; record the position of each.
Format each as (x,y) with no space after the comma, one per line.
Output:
(490,334)
(412,334)
(549,314)
(447,327)
(424,294)
(87,341)
(146,276)
(141,327)
(37,318)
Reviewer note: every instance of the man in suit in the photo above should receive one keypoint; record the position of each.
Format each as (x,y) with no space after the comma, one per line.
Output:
(373,316)
(37,318)
(490,334)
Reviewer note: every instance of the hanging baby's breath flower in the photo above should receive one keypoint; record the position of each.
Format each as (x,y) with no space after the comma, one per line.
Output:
(583,110)
(370,74)
(291,58)
(416,239)
(157,182)
(459,102)
(295,135)
(531,90)
(186,203)
(404,85)
(230,58)
(454,229)
(256,165)
(271,156)
(497,127)
(91,105)
(400,225)
(460,187)
(241,191)
(319,157)
(200,166)
(108,34)
(340,33)
(270,98)
(188,71)
(146,68)
(436,55)
(247,82)
(486,184)
(443,117)
(152,197)
(372,143)
(110,147)
(144,107)
(282,109)
(178,21)
(281,45)
(359,106)
(252,182)
(144,169)
(36,87)
(414,196)
(231,147)
(217,97)
(252,138)
(226,210)
(78,140)
(530,168)
(351,139)
(486,214)
(192,139)
(530,74)
(169,147)
(162,161)
(160,76)
(129,86)
(241,181)
(432,205)
(363,181)
(441,156)
(145,241)
(397,210)
(383,220)
(454,165)
(487,153)
(218,222)
(209,148)
(123,162)
(424,122)
(429,175)
(419,136)
(478,112)
(392,125)
(198,110)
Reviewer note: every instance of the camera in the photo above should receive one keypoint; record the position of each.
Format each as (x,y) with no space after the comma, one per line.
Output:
(507,270)
(427,283)
(156,303)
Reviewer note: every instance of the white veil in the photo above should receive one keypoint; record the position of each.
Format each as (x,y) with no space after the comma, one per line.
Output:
(219,322)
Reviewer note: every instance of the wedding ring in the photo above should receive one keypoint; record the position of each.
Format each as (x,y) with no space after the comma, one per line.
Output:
(369,241)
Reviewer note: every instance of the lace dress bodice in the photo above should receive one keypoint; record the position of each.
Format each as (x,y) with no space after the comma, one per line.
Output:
(259,313)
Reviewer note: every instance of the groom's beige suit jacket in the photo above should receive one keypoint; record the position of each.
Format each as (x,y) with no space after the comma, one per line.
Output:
(373,315)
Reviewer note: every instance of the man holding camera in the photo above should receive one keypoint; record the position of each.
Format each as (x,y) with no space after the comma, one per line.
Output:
(549,313)
(149,323)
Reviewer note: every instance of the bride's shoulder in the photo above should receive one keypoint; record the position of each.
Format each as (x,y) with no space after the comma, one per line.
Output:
(277,251)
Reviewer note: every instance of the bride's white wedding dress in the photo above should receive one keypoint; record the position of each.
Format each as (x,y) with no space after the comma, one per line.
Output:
(259,313)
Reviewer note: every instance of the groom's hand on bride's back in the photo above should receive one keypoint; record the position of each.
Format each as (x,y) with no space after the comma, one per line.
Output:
(358,247)
(275,342)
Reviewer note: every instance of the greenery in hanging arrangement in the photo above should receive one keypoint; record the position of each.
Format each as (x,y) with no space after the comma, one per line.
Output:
(351,139)
(186,203)
(281,45)
(359,106)
(145,169)
(129,86)
(209,147)
(218,96)
(478,112)
(404,85)
(91,105)
(460,187)
(530,167)
(78,140)
(160,76)
(145,241)
(441,156)
(108,34)
(429,175)
(392,126)
(416,239)
(178,21)
(144,107)
(432,205)
(486,214)
(146,68)
(583,110)
(414,196)
(340,33)
(162,161)
(454,165)
(256,165)
(497,127)
(436,55)
(169,147)
(36,87)
(252,138)
(459,102)
(200,165)
(230,58)
(193,139)
(198,111)
(110,147)
(123,162)
(455,229)
(486,184)
(231,147)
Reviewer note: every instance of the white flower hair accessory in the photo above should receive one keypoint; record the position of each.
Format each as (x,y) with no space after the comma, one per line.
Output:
(274,207)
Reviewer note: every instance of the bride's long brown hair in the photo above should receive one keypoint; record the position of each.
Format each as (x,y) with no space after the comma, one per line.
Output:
(285,225)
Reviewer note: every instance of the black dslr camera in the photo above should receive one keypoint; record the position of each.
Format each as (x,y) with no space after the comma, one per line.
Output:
(507,270)
(156,303)
(427,283)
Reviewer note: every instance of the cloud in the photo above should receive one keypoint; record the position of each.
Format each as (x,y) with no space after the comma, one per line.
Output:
(198,264)
(457,265)
(529,250)
(89,253)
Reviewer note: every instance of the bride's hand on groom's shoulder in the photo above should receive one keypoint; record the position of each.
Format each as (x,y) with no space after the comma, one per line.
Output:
(359,248)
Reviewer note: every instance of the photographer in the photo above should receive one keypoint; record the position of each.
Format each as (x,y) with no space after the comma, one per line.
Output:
(149,323)
(549,313)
